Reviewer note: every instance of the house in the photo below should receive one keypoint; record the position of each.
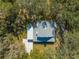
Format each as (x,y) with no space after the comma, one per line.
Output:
(41,32)
(44,32)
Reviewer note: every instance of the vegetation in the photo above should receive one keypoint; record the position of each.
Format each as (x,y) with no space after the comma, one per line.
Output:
(16,14)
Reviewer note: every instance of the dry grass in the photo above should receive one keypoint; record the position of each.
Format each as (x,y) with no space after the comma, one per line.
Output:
(42,47)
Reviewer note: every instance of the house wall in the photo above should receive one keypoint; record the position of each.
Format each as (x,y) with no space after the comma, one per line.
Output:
(30,31)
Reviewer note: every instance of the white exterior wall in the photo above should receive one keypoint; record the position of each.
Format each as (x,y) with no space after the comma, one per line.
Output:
(30,33)
(29,44)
